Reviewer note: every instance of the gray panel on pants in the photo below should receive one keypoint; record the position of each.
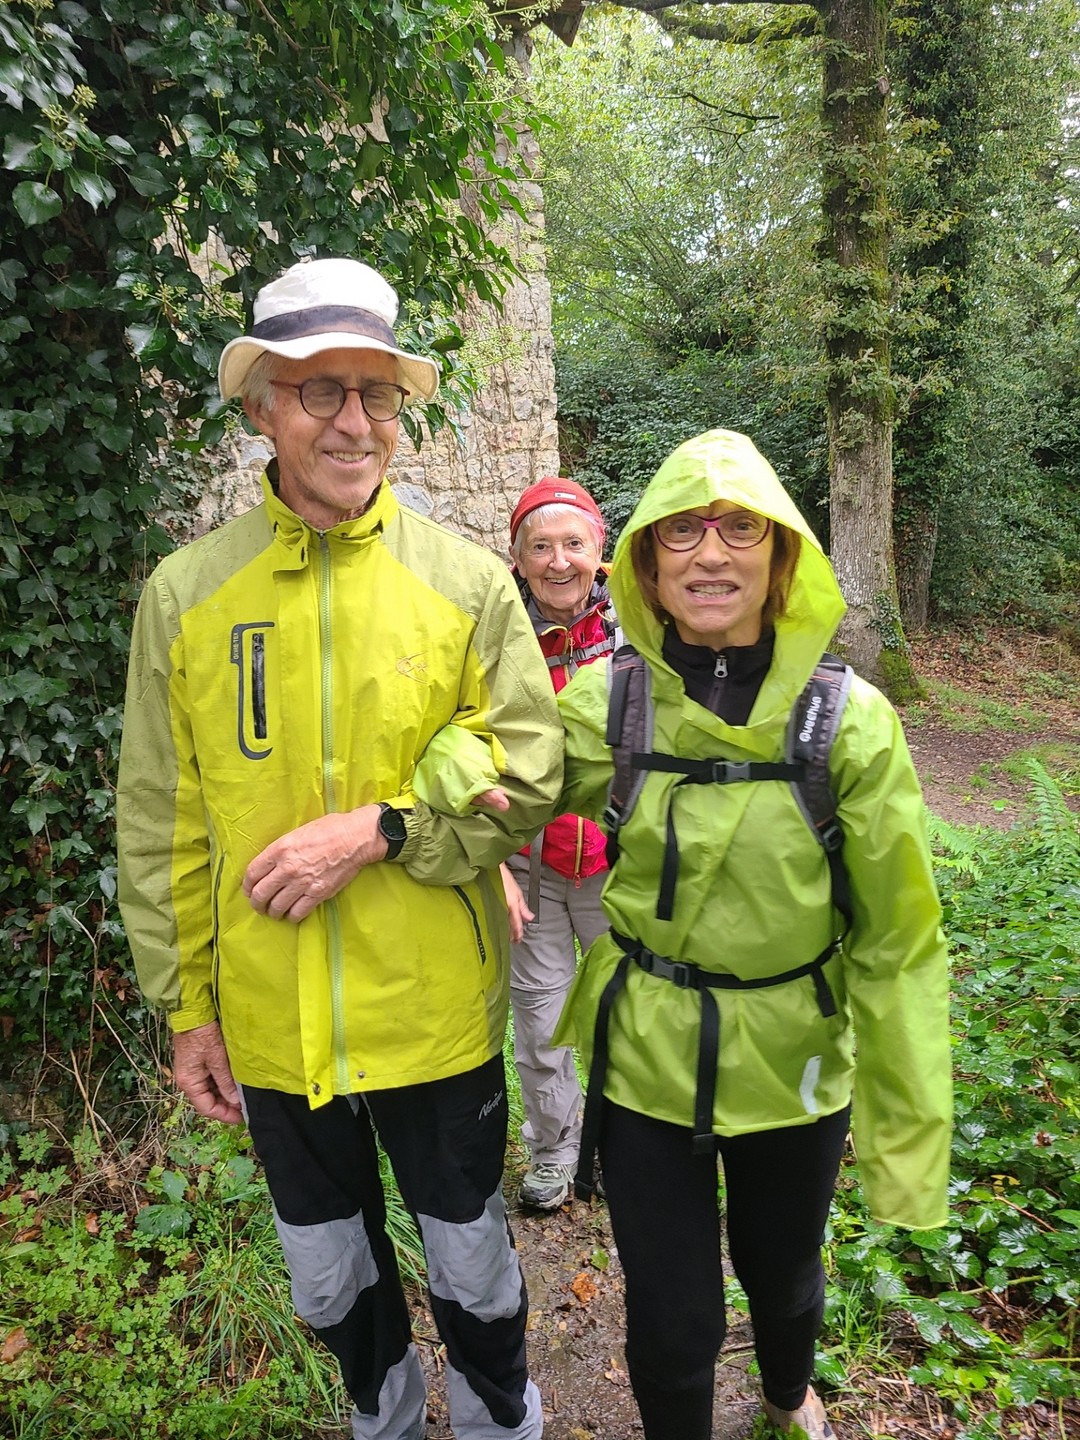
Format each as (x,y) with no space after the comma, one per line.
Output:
(330,1264)
(474,1264)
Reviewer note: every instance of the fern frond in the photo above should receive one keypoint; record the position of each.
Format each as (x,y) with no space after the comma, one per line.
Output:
(1058,826)
(955,847)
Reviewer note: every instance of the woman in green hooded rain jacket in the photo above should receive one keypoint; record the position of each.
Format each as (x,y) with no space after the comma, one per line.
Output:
(723,589)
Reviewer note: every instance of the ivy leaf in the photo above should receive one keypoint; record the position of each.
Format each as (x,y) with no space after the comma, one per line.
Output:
(36,815)
(401,118)
(114,437)
(36,203)
(20,153)
(145,340)
(94,189)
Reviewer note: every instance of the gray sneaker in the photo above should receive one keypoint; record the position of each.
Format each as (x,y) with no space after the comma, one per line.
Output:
(809,1419)
(546,1186)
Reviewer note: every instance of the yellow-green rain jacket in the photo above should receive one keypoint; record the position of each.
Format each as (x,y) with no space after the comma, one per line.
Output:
(278,674)
(753,896)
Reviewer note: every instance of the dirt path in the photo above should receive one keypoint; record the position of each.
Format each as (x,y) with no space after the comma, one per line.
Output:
(576,1335)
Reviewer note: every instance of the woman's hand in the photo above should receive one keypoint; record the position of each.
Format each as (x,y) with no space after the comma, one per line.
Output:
(518,912)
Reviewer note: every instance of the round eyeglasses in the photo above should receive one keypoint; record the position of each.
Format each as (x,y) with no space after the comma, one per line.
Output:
(323,399)
(741,529)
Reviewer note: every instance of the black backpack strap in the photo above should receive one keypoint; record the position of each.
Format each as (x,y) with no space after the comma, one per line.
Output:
(585,1178)
(629,730)
(536,856)
(699,772)
(812,729)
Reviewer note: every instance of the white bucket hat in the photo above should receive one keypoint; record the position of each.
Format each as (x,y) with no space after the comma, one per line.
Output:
(325,305)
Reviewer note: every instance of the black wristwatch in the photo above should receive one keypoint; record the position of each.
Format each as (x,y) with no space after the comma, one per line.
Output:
(392,829)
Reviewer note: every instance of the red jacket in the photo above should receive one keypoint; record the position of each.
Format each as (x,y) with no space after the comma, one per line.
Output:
(572,846)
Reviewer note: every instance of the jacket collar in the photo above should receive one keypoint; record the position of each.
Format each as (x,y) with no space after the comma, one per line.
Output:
(297,539)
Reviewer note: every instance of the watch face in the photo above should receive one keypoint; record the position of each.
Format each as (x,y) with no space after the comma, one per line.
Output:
(392,827)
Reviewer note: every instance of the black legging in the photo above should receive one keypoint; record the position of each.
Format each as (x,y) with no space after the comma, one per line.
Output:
(666,1222)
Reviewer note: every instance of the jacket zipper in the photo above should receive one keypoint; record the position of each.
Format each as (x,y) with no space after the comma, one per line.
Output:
(258,684)
(215,926)
(481,947)
(333,917)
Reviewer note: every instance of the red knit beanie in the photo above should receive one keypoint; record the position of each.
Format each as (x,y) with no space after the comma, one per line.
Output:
(551,490)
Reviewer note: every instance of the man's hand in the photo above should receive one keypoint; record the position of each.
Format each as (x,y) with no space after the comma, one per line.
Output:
(310,864)
(201,1070)
(518,912)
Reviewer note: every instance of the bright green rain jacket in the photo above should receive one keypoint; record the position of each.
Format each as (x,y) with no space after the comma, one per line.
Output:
(278,674)
(753,893)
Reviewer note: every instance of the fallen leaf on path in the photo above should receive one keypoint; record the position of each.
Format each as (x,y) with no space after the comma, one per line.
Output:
(15,1342)
(583,1288)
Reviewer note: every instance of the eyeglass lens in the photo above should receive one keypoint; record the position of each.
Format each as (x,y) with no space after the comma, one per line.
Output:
(740,529)
(323,399)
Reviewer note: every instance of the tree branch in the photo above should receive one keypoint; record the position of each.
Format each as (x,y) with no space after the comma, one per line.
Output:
(719,109)
(802,23)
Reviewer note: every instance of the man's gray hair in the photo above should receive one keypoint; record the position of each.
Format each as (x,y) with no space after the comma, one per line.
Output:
(258,385)
(544,514)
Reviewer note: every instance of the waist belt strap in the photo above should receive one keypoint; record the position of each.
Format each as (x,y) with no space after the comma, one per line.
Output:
(687,977)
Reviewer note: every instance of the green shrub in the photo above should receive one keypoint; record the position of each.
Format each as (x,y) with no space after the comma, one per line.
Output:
(990,1299)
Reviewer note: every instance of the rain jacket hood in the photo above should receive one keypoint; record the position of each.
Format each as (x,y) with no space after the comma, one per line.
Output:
(723,465)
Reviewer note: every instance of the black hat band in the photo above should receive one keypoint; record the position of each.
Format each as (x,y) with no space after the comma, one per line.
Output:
(295,324)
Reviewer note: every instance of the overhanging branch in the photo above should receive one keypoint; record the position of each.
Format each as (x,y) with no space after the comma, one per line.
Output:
(788,20)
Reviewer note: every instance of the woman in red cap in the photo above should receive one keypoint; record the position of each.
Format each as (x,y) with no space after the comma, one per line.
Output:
(553,886)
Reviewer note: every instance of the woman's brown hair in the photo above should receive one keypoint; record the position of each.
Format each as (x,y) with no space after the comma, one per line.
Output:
(785,557)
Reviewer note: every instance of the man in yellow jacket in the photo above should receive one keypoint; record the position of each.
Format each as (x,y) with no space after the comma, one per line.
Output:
(333,955)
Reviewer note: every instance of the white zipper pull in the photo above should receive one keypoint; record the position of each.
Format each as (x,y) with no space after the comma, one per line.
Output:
(720,668)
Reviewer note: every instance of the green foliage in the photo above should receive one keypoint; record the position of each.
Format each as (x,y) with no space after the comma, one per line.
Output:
(179,1325)
(159,163)
(986,348)
(683,295)
(619,420)
(991,1298)
(657,240)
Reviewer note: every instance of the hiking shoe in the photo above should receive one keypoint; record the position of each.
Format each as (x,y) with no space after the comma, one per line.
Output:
(546,1186)
(808,1419)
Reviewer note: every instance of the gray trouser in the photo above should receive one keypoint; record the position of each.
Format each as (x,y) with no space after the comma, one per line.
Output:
(541,972)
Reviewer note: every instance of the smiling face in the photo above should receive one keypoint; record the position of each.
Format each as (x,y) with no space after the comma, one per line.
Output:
(559,558)
(328,470)
(715,594)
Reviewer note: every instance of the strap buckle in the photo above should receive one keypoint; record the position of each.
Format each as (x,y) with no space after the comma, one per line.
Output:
(727,772)
(831,836)
(681,974)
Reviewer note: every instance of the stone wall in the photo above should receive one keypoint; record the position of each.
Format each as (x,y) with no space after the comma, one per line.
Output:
(507,437)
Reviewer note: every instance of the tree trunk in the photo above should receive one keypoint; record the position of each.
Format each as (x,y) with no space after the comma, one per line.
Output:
(915,536)
(855,271)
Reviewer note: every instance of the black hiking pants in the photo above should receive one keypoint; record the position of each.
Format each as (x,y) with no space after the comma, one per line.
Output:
(445,1140)
(665,1216)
